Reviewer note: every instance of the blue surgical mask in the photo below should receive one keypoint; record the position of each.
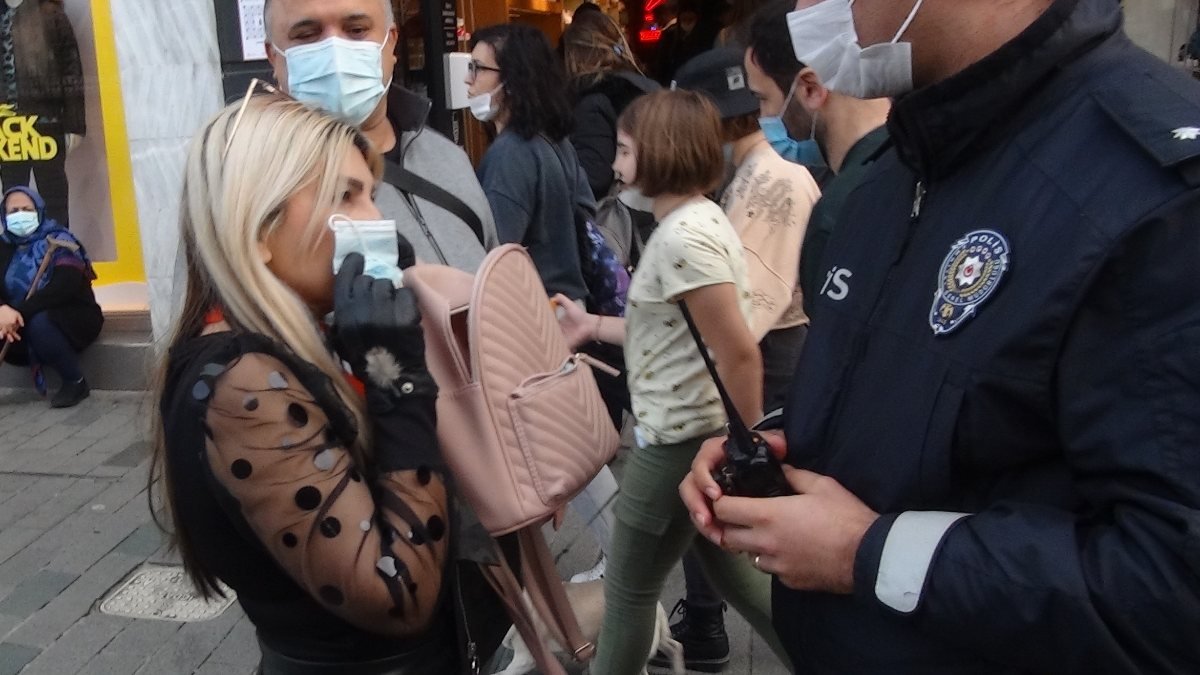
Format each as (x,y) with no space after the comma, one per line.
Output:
(807,153)
(22,223)
(376,240)
(342,77)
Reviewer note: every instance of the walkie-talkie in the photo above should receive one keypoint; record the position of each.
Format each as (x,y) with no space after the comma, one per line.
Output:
(750,469)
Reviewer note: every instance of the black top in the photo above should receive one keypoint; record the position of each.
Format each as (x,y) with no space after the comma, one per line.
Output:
(827,212)
(1004,364)
(598,106)
(332,561)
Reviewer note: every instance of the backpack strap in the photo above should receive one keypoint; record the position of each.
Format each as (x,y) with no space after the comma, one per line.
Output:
(409,182)
(547,594)
(505,583)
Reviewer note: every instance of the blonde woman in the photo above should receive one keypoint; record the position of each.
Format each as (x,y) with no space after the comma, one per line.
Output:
(317,495)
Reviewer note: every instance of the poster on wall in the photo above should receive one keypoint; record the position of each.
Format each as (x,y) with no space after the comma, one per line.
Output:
(254,32)
(62,126)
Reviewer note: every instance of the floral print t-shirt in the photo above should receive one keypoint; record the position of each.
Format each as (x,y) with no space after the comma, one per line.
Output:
(674,398)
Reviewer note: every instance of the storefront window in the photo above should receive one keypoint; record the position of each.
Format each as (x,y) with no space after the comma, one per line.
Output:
(62,128)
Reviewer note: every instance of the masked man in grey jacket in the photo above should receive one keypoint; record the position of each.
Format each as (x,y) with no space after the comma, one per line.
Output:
(339,56)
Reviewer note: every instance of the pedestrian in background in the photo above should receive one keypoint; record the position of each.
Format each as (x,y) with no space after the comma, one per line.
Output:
(535,185)
(604,78)
(668,146)
(530,173)
(806,121)
(768,202)
(340,57)
(48,311)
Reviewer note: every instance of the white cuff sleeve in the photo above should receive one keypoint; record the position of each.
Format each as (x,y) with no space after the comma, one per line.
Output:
(907,554)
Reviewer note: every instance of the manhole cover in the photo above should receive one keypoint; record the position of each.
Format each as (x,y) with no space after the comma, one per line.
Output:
(163,592)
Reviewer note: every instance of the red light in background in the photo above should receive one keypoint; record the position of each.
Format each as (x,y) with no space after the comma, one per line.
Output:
(654,33)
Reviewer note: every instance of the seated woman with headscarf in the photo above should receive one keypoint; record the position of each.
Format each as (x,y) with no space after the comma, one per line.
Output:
(46,319)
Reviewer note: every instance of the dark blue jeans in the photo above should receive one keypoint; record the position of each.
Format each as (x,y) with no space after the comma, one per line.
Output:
(48,346)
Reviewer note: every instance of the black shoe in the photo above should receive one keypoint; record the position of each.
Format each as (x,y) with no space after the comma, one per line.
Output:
(71,394)
(701,631)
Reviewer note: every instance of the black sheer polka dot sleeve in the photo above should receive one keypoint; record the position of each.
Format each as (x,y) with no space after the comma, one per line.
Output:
(371,553)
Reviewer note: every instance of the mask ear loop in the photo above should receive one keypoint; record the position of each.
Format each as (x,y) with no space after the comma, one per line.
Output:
(907,22)
(337,217)
(388,86)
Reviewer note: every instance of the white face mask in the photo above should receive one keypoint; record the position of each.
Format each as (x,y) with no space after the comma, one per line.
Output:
(483,106)
(342,77)
(376,240)
(824,38)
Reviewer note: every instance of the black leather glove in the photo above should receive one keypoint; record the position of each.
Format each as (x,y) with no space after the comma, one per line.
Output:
(377,330)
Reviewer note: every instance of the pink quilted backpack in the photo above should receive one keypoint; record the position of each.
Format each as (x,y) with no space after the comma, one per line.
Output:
(520,420)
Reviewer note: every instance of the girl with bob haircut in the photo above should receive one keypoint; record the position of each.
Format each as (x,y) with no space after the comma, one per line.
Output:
(669,146)
(318,496)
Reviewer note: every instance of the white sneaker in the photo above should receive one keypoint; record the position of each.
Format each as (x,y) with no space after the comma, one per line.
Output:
(593,574)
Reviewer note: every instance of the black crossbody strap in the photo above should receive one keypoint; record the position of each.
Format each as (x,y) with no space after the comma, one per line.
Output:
(409,182)
(737,427)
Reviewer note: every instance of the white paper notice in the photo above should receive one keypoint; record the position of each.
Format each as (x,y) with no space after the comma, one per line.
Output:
(254,34)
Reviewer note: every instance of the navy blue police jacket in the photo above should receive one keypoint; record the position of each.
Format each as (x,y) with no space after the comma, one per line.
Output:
(1004,362)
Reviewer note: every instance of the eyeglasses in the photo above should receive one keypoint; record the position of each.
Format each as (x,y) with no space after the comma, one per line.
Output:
(255,85)
(473,68)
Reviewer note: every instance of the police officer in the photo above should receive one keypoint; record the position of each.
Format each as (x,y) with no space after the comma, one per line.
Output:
(996,419)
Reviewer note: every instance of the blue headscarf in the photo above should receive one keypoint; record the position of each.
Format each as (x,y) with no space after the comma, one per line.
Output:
(30,250)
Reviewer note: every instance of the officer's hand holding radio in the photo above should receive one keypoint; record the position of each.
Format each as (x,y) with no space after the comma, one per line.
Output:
(809,540)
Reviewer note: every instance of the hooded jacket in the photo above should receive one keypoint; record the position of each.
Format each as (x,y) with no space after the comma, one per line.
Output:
(1003,363)
(64,290)
(595,134)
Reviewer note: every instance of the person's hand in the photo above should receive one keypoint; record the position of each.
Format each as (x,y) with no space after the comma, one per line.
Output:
(577,325)
(11,322)
(809,540)
(699,491)
(377,329)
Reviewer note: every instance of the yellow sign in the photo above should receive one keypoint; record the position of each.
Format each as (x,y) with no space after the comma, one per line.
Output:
(20,141)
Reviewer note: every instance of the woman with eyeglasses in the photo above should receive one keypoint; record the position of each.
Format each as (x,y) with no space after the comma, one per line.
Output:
(530,174)
(318,495)
(533,181)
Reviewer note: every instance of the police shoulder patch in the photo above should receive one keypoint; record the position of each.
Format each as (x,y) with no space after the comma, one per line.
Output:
(1161,114)
(969,276)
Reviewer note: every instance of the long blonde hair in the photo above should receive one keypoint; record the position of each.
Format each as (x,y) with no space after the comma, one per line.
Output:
(230,203)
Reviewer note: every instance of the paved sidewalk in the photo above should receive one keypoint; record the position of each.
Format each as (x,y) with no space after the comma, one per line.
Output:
(74,523)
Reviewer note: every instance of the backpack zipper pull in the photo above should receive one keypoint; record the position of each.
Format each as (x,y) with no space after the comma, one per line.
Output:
(596,364)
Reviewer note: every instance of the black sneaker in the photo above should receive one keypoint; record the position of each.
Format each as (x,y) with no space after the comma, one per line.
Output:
(71,394)
(701,631)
